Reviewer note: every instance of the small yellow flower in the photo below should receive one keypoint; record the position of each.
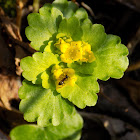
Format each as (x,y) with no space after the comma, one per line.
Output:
(63,77)
(62,45)
(88,56)
(74,51)
(86,47)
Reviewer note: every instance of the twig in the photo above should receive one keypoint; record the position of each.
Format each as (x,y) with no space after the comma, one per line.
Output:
(13,32)
(24,45)
(132,4)
(134,41)
(36,5)
(19,6)
(106,97)
(134,66)
(88,8)
(110,100)
(19,12)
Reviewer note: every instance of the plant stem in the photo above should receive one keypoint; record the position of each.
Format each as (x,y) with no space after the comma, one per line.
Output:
(36,5)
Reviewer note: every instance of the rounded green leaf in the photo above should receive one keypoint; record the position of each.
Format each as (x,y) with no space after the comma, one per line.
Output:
(86,68)
(94,34)
(69,129)
(111,59)
(35,66)
(43,105)
(71,28)
(28,132)
(60,4)
(81,14)
(42,26)
(69,9)
(83,93)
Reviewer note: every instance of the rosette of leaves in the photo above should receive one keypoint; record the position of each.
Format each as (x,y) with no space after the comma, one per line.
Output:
(55,23)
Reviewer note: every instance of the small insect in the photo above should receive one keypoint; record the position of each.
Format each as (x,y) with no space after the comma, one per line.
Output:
(62,81)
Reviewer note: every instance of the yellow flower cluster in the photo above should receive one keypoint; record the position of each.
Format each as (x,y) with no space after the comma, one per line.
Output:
(74,51)
(63,76)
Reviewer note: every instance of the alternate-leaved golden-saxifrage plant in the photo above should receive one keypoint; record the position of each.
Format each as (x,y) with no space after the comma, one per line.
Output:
(72,55)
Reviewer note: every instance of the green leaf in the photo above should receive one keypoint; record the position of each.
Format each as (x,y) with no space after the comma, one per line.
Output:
(43,105)
(86,68)
(60,4)
(111,55)
(83,93)
(47,80)
(43,26)
(33,67)
(94,34)
(81,14)
(71,28)
(70,10)
(69,129)
(28,132)
(111,59)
